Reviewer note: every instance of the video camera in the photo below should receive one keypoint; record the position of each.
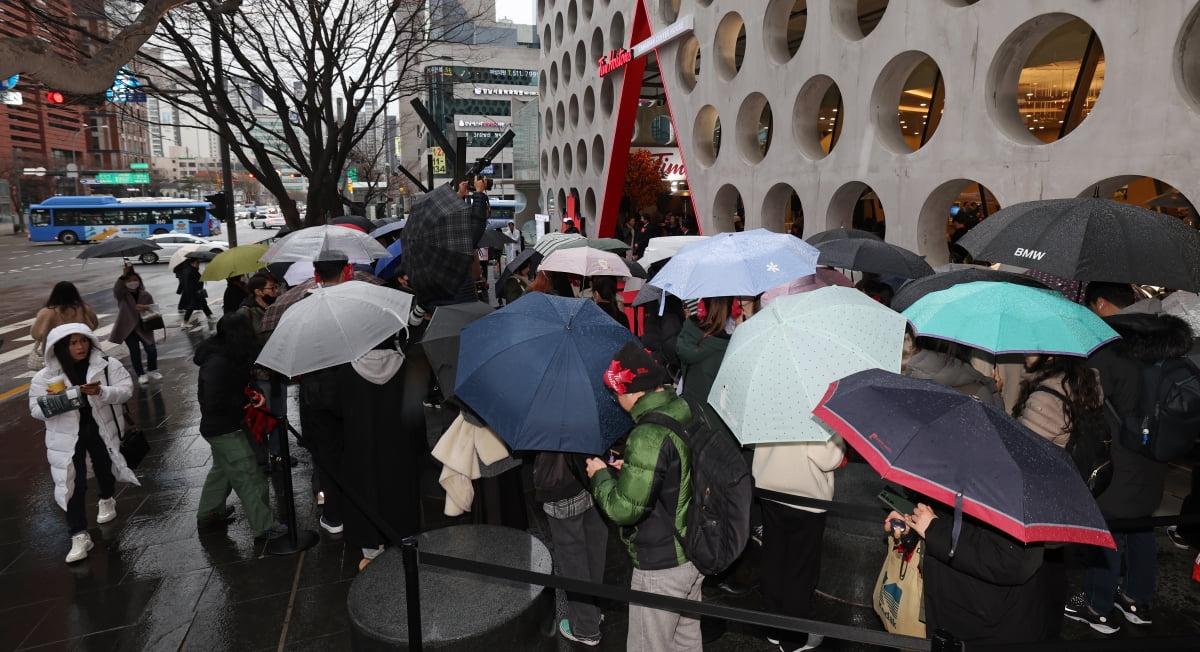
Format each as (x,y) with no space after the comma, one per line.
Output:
(473,172)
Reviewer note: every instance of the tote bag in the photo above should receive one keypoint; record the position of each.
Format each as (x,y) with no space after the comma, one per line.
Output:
(900,591)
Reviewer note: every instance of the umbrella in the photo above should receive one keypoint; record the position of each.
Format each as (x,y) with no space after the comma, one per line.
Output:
(584,261)
(517,263)
(552,241)
(329,242)
(355,221)
(875,256)
(736,264)
(841,233)
(1169,200)
(118,248)
(439,243)
(181,255)
(636,270)
(647,294)
(390,227)
(200,254)
(441,338)
(333,326)
(1072,290)
(1091,239)
(780,362)
(603,244)
(534,371)
(235,262)
(1009,318)
(663,247)
(824,277)
(959,451)
(493,239)
(918,288)
(388,268)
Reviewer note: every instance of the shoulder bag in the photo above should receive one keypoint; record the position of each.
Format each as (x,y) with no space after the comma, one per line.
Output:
(900,591)
(134,445)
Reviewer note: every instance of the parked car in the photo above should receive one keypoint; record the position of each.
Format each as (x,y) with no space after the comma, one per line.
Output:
(170,242)
(273,221)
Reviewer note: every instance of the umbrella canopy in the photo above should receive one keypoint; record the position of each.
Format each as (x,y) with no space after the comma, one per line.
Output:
(663,247)
(584,261)
(356,221)
(736,264)
(876,256)
(517,263)
(441,338)
(1091,239)
(118,248)
(647,294)
(823,278)
(493,238)
(953,448)
(181,255)
(534,371)
(390,227)
(328,242)
(333,326)
(636,270)
(235,262)
(840,233)
(918,288)
(1008,318)
(552,241)
(604,244)
(387,268)
(200,254)
(439,243)
(780,362)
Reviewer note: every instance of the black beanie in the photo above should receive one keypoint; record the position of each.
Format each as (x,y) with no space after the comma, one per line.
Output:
(633,370)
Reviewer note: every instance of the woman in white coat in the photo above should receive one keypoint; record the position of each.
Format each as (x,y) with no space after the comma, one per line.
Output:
(89,434)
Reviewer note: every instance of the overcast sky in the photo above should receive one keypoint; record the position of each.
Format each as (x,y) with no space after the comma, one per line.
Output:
(519,11)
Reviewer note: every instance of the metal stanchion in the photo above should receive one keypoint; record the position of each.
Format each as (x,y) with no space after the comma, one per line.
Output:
(296,540)
(412,592)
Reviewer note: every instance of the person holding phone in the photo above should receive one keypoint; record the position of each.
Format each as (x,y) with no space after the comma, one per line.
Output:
(93,432)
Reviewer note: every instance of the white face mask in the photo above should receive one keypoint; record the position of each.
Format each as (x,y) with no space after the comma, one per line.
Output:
(133,285)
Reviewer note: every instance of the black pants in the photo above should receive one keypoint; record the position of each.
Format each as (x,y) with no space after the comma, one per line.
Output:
(136,344)
(204,307)
(89,443)
(791,562)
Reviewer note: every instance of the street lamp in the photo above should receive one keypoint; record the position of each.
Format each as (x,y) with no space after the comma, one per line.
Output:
(75,146)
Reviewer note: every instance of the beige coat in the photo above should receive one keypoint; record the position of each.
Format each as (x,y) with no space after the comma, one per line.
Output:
(50,317)
(799,468)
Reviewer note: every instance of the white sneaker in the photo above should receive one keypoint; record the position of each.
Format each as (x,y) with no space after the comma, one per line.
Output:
(154,375)
(80,545)
(107,511)
(143,379)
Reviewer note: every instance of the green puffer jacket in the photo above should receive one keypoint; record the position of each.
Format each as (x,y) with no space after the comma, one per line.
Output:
(650,496)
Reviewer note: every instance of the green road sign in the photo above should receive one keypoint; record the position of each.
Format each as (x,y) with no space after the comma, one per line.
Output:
(123,177)
(139,166)
(352,175)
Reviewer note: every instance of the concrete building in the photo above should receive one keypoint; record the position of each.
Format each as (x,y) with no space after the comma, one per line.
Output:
(890,115)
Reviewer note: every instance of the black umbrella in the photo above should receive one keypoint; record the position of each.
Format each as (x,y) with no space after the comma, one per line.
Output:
(636,270)
(493,239)
(119,248)
(438,244)
(917,288)
(840,233)
(441,339)
(529,256)
(1091,239)
(875,256)
(200,255)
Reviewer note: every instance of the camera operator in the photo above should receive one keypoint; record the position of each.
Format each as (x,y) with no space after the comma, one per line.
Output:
(480,207)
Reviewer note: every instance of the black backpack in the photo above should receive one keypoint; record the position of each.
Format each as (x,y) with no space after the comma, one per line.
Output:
(718,520)
(1089,446)
(1167,421)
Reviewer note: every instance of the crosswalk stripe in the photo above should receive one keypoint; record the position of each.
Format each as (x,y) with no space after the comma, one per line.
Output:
(23,351)
(16,325)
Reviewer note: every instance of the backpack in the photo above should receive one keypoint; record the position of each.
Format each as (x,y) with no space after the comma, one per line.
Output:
(1089,446)
(1167,420)
(718,520)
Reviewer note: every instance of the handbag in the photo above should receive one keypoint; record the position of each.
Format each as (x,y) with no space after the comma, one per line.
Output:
(134,445)
(899,592)
(153,321)
(35,360)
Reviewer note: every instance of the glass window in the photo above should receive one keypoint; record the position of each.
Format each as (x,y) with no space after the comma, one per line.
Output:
(39,217)
(67,217)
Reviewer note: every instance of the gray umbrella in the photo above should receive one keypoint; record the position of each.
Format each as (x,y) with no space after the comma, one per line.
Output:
(917,288)
(840,233)
(875,256)
(1091,239)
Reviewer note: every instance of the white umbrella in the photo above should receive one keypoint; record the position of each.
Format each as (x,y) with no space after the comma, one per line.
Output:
(333,326)
(664,247)
(328,242)
(180,255)
(585,261)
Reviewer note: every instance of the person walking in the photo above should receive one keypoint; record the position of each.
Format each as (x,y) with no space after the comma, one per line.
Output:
(83,437)
(63,307)
(224,360)
(192,295)
(132,298)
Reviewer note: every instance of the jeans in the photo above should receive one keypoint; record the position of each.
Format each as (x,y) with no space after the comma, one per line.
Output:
(135,353)
(234,469)
(580,543)
(1103,572)
(651,630)
(88,443)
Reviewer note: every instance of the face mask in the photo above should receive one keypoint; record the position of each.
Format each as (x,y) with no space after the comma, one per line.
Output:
(133,285)
(269,298)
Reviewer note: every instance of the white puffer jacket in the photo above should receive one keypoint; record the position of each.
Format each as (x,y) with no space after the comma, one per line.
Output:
(62,431)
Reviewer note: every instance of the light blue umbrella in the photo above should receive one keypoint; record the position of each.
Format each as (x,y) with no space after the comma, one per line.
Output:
(1009,318)
(780,362)
(736,264)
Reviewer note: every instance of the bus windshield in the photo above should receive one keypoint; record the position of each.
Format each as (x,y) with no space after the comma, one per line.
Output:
(79,219)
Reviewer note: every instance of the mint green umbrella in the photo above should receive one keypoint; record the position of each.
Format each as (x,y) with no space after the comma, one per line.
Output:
(780,362)
(1009,318)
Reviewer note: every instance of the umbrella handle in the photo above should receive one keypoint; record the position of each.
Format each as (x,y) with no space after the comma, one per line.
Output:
(956,529)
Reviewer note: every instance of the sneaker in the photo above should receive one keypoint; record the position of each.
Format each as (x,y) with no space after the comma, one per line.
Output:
(107,510)
(154,375)
(1077,608)
(273,532)
(1177,538)
(143,379)
(80,545)
(332,527)
(814,641)
(217,519)
(1135,612)
(564,628)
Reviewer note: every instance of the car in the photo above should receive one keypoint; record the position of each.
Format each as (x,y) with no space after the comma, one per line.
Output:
(171,242)
(272,221)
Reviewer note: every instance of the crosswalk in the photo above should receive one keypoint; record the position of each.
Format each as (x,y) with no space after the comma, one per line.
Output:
(17,348)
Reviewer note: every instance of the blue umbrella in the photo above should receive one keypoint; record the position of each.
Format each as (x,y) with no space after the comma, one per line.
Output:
(736,264)
(388,228)
(534,371)
(385,268)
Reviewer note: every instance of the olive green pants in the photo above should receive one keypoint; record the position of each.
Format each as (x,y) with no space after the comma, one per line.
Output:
(234,469)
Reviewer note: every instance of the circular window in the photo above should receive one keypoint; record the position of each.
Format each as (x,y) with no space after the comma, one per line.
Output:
(558,29)
(1032,80)
(753,127)
(855,19)
(784,23)
(545,164)
(566,67)
(597,46)
(730,44)
(728,210)
(951,210)
(606,96)
(688,62)
(669,10)
(616,33)
(554,161)
(580,59)
(855,205)
(541,85)
(817,117)
(589,204)
(562,202)
(554,76)
(549,123)
(909,97)
(781,210)
(707,135)
(589,104)
(661,130)
(581,156)
(560,116)
(587,10)
(546,40)
(568,159)
(573,110)
(572,16)
(597,154)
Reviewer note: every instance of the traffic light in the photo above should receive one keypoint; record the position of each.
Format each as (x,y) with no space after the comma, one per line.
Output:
(55,97)
(217,199)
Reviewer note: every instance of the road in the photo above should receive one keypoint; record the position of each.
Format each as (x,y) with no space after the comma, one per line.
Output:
(28,271)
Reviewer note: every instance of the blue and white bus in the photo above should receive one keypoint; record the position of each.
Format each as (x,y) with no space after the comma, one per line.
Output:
(503,211)
(78,219)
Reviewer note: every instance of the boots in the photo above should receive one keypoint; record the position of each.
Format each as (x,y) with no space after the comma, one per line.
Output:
(80,545)
(107,510)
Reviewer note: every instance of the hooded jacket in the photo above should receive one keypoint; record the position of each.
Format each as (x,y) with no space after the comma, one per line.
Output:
(947,370)
(62,431)
(1137,484)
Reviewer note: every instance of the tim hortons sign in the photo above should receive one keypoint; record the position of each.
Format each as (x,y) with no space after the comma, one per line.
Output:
(614,60)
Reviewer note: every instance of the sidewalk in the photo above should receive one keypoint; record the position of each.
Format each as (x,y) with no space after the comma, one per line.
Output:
(152,583)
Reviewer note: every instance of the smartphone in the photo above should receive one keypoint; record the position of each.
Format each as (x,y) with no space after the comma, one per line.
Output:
(893,499)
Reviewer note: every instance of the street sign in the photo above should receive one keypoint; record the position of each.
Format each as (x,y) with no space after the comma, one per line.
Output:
(139,166)
(123,177)
(352,174)
(35,172)
(10,83)
(11,98)
(88,181)
(124,88)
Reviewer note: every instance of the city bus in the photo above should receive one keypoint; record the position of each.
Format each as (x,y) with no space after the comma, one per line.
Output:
(503,211)
(70,220)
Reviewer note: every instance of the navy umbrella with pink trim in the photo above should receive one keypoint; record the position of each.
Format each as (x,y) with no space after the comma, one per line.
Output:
(954,449)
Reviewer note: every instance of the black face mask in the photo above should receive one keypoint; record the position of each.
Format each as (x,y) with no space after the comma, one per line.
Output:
(268,298)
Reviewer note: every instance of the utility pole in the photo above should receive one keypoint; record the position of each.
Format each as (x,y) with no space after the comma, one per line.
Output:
(226,164)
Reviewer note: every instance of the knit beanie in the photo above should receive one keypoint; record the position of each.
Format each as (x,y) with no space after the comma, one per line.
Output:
(633,370)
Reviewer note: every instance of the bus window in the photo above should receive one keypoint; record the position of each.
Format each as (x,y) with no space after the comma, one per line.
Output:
(67,217)
(39,217)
